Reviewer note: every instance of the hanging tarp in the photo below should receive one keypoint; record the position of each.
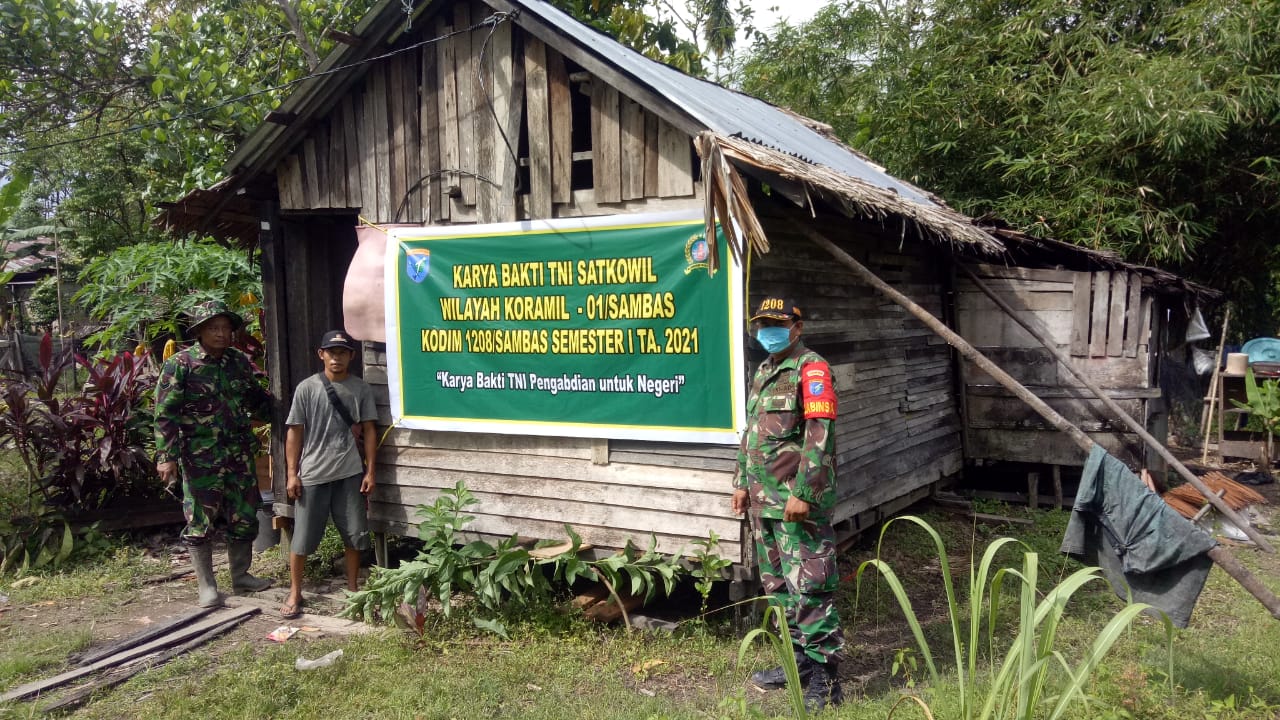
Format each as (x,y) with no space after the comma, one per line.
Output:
(608,327)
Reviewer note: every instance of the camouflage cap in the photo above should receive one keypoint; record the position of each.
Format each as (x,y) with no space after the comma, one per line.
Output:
(208,310)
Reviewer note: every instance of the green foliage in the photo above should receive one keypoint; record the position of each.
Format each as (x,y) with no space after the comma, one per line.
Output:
(708,567)
(1262,401)
(905,665)
(84,449)
(145,291)
(1148,128)
(1019,681)
(496,578)
(777,635)
(331,548)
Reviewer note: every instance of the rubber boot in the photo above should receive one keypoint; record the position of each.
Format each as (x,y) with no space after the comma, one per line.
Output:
(240,555)
(824,688)
(775,678)
(202,561)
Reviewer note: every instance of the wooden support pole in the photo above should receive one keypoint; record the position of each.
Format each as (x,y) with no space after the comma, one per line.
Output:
(1033,490)
(1206,413)
(1057,486)
(1133,425)
(1224,559)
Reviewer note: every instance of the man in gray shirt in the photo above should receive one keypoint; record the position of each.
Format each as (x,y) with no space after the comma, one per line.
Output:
(332,415)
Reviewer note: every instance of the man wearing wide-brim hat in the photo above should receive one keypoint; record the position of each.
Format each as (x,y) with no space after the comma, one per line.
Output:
(206,398)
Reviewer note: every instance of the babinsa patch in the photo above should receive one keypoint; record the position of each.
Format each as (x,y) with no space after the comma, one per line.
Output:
(819,394)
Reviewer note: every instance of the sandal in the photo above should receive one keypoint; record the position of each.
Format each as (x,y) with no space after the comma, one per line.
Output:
(291,610)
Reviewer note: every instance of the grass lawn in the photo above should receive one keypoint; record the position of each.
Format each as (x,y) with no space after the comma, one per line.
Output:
(557,665)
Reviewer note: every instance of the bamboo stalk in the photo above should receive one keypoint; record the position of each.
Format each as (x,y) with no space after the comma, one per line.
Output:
(1124,417)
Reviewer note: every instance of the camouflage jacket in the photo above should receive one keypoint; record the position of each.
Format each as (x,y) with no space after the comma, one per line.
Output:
(203,407)
(789,444)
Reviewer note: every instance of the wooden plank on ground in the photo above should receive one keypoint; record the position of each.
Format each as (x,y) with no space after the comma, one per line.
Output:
(119,675)
(1080,297)
(561,127)
(1132,311)
(606,147)
(1115,313)
(632,128)
(39,686)
(1098,318)
(144,635)
(535,61)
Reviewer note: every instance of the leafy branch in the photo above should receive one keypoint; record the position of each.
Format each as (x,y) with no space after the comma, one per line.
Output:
(499,578)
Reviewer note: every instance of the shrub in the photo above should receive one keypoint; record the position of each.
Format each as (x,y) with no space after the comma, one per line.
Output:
(81,450)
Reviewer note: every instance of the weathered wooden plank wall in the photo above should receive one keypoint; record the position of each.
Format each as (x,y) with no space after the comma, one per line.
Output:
(898,429)
(480,128)
(1101,319)
(440,134)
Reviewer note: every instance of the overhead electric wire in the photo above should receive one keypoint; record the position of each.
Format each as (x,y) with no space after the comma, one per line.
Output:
(492,20)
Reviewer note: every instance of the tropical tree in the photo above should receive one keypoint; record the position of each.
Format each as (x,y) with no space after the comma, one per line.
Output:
(1138,126)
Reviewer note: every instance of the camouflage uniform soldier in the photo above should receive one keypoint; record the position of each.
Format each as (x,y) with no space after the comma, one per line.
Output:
(204,399)
(786,478)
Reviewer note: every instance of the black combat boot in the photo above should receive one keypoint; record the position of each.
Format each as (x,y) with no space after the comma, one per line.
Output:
(824,688)
(776,678)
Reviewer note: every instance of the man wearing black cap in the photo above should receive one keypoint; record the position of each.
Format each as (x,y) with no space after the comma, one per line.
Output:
(206,396)
(786,483)
(331,416)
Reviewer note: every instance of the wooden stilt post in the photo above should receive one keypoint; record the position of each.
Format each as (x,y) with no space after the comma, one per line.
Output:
(1133,425)
(1033,490)
(1224,559)
(1057,486)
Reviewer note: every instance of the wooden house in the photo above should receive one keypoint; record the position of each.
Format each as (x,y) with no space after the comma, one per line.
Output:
(470,112)
(1116,321)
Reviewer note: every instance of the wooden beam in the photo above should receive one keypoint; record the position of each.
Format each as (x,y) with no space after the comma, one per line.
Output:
(40,686)
(280,118)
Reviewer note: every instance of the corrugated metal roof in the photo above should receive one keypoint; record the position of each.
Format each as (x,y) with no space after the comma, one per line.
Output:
(723,110)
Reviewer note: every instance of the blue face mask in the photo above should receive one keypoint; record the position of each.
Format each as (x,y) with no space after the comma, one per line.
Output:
(774,339)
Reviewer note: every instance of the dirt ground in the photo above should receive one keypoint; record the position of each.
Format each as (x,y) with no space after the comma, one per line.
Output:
(872,642)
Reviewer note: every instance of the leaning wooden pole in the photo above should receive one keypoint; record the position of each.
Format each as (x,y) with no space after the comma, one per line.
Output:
(1136,427)
(1223,558)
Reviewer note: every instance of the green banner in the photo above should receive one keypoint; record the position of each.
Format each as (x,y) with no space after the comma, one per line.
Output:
(594,327)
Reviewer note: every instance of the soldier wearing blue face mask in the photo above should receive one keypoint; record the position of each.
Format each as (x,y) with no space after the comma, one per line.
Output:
(785,482)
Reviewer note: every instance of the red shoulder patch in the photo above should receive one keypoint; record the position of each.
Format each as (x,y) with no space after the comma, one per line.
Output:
(817,391)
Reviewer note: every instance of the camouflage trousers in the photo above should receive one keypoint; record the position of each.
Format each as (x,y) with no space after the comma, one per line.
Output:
(798,570)
(226,495)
